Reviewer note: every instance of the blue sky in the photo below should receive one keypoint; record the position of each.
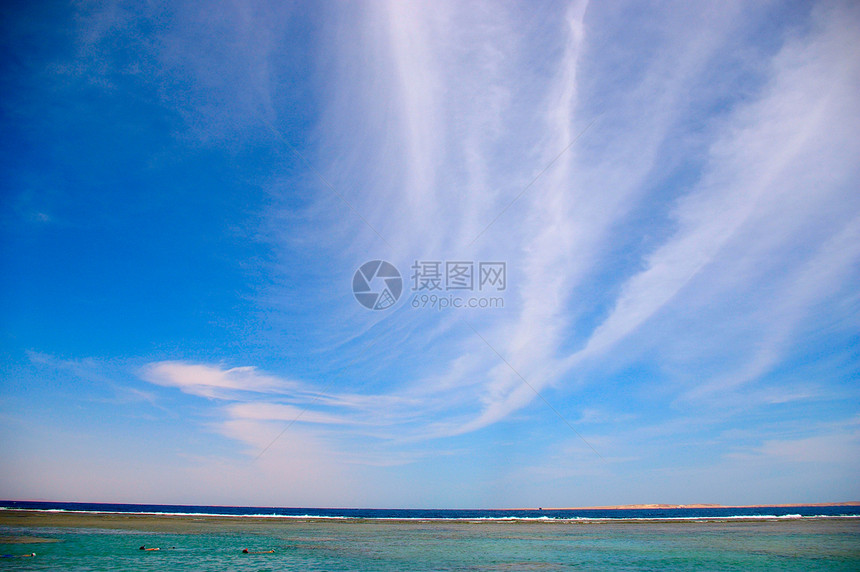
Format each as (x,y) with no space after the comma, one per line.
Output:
(188,190)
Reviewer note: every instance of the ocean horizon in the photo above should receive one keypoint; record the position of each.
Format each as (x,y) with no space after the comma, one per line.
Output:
(672,512)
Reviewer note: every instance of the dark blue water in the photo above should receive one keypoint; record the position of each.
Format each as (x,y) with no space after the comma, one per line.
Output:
(444,514)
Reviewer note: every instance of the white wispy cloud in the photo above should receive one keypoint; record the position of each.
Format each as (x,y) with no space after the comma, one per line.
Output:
(772,163)
(213,381)
(570,220)
(434,116)
(437,95)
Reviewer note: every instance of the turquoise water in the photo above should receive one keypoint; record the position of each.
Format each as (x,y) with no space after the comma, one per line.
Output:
(801,544)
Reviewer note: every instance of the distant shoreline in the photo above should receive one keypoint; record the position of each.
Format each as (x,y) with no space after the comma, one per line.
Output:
(679,506)
(599,507)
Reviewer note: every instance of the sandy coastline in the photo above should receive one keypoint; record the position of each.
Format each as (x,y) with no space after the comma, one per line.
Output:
(671,506)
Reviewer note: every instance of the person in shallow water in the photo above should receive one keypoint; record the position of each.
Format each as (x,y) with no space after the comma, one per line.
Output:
(145,548)
(246,551)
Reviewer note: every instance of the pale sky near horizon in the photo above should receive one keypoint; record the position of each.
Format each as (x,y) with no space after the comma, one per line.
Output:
(187,190)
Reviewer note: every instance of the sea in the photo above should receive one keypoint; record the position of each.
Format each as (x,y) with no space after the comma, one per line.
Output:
(86,536)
